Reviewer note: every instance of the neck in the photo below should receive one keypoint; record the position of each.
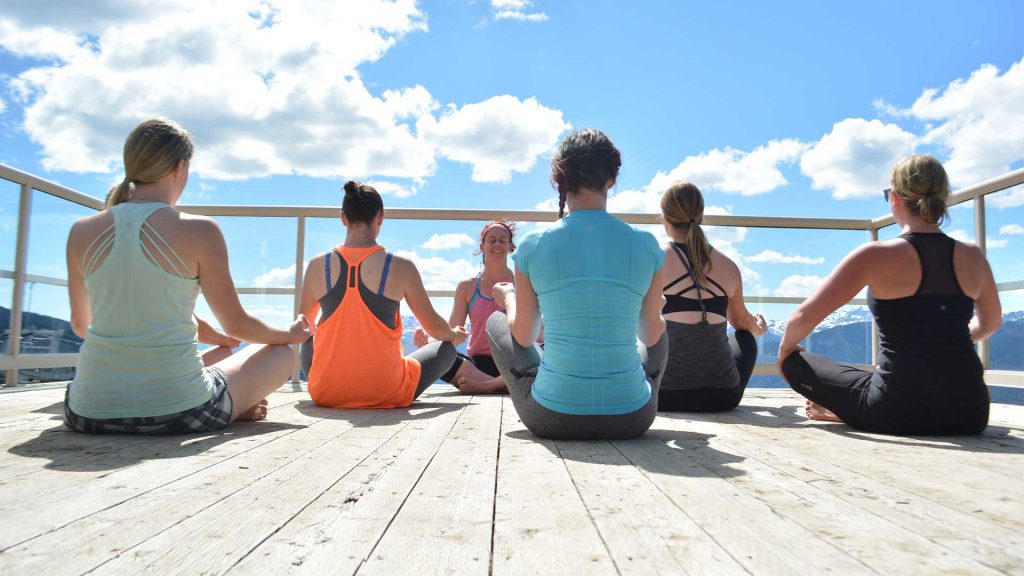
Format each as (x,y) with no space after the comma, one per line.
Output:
(587,199)
(494,268)
(155,192)
(914,223)
(360,236)
(678,234)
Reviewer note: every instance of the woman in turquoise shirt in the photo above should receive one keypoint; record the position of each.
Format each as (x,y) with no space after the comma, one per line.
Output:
(596,283)
(134,272)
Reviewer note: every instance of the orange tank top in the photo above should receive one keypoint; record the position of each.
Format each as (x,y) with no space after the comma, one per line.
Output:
(358,361)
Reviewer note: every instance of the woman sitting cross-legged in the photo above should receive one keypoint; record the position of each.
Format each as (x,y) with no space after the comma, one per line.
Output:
(356,359)
(923,289)
(475,372)
(597,282)
(134,272)
(707,369)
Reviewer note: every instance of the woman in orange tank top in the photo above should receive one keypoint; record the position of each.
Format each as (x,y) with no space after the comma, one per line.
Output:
(356,359)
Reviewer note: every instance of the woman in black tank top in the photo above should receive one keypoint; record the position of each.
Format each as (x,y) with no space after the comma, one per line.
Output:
(923,289)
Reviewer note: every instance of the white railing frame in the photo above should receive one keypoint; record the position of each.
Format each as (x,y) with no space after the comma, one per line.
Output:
(14,361)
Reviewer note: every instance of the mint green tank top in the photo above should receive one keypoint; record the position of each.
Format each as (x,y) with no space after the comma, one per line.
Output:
(141,355)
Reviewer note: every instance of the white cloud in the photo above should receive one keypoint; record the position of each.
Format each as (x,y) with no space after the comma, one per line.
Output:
(734,171)
(773,257)
(1011,229)
(961,235)
(498,136)
(799,285)
(516,10)
(448,241)
(980,121)
(393,189)
(3,106)
(855,158)
(438,273)
(276,278)
(267,88)
(1010,198)
(996,242)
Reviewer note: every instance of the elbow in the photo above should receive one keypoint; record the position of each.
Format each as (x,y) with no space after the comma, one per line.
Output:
(81,329)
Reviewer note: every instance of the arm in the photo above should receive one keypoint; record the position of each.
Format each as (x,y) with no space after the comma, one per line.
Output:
(522,308)
(309,304)
(739,316)
(460,308)
(219,290)
(843,284)
(988,312)
(416,297)
(81,313)
(209,335)
(652,325)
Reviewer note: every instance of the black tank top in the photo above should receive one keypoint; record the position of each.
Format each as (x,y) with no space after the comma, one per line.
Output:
(716,304)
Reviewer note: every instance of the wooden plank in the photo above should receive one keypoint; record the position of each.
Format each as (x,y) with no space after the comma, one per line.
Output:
(541,525)
(644,530)
(444,527)
(218,537)
(872,539)
(756,536)
(967,534)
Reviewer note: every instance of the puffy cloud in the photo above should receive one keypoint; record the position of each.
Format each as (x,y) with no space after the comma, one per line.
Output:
(854,159)
(734,171)
(516,10)
(961,235)
(996,242)
(1010,198)
(1011,229)
(448,241)
(439,273)
(276,278)
(773,257)
(392,189)
(980,121)
(267,88)
(498,136)
(799,285)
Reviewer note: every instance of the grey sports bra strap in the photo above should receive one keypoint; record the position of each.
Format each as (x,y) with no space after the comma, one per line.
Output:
(689,271)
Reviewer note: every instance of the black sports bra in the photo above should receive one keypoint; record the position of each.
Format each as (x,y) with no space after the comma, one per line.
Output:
(717,304)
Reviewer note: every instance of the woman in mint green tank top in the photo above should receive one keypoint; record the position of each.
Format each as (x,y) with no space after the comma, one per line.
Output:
(135,270)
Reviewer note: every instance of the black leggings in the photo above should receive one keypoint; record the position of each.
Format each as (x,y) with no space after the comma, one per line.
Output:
(865,401)
(744,351)
(435,359)
(484,363)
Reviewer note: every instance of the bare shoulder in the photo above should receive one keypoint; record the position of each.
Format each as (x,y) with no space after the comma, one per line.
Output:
(87,228)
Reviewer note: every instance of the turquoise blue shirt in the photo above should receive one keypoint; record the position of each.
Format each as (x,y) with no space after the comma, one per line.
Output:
(590,271)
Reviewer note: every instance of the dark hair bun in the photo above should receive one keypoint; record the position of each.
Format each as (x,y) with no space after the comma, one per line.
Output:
(351,187)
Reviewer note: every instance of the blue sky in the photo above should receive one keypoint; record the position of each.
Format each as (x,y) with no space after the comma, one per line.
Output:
(786,108)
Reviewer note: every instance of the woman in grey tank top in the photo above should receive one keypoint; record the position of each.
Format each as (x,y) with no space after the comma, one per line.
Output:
(708,368)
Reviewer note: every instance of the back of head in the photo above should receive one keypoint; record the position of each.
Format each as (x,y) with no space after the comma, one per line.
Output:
(921,183)
(585,159)
(151,151)
(361,203)
(682,206)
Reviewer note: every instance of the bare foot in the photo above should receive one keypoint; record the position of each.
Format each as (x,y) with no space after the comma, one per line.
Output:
(471,386)
(820,413)
(257,412)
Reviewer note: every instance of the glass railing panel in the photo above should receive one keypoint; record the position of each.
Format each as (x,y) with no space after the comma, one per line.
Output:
(1006,346)
(9,199)
(264,258)
(51,221)
(6,290)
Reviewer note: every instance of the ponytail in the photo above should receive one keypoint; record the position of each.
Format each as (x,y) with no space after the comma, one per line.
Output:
(119,193)
(561,203)
(699,252)
(682,206)
(921,183)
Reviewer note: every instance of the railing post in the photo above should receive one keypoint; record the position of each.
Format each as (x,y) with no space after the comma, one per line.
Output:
(979,238)
(18,293)
(300,247)
(875,343)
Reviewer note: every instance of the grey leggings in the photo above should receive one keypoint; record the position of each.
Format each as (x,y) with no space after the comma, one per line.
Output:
(435,359)
(519,367)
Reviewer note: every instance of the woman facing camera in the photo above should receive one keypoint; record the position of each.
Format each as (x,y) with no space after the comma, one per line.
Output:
(134,272)
(923,288)
(596,281)
(356,359)
(475,371)
(707,369)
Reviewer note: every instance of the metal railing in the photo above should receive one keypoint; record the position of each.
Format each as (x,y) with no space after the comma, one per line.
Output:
(14,361)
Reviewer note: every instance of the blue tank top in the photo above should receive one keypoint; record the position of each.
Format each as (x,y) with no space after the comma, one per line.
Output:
(590,271)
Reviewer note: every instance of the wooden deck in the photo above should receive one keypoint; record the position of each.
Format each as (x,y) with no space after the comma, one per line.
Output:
(456,485)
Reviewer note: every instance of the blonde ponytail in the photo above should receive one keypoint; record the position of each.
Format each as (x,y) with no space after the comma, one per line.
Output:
(119,193)
(921,183)
(682,206)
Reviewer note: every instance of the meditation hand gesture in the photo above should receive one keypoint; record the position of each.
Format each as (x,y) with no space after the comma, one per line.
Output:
(502,291)
(301,330)
(420,338)
(760,325)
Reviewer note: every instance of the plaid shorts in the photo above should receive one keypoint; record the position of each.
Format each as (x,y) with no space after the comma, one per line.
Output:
(208,417)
